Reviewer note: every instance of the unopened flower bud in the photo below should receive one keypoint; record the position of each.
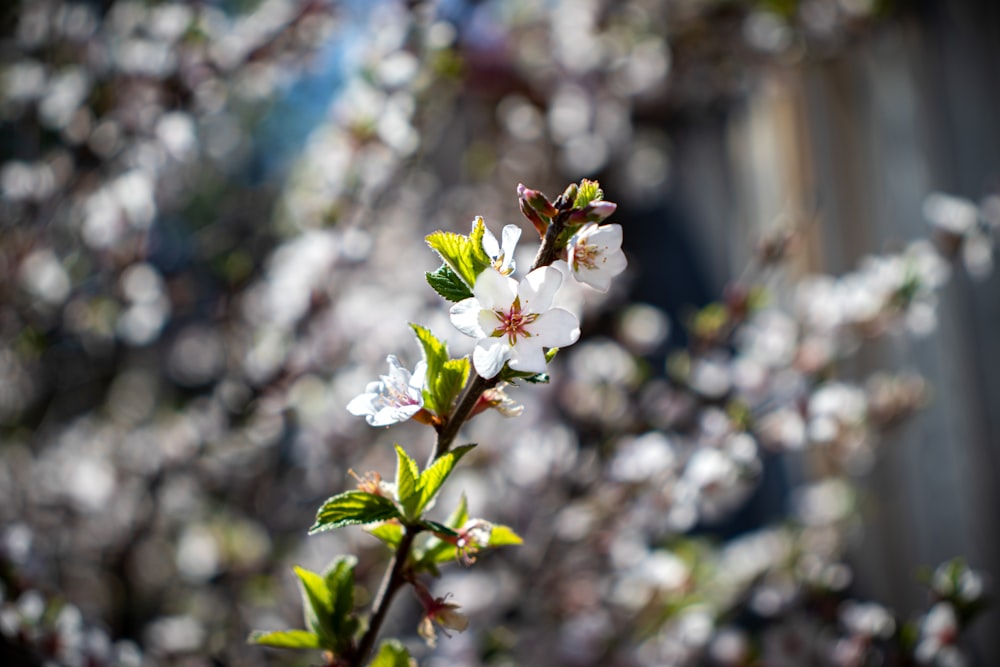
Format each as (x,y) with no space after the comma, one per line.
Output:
(569,194)
(538,222)
(537,200)
(596,211)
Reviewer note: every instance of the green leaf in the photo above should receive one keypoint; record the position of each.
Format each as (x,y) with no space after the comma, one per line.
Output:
(587,192)
(462,254)
(449,384)
(317,604)
(390,533)
(458,518)
(340,583)
(286,639)
(436,358)
(446,282)
(351,508)
(432,478)
(445,377)
(407,483)
(392,653)
(502,536)
(440,528)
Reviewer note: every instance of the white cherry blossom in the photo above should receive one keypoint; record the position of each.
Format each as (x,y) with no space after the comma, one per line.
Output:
(393,398)
(514,322)
(595,256)
(502,254)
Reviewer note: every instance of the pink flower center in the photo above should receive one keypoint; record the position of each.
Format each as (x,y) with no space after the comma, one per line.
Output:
(513,323)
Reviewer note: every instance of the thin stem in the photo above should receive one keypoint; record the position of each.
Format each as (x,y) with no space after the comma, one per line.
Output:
(466,404)
(391,583)
(548,252)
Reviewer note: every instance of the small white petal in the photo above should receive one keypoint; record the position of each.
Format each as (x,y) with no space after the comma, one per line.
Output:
(599,280)
(362,405)
(392,415)
(494,291)
(556,328)
(528,356)
(419,375)
(609,236)
(539,288)
(490,355)
(490,245)
(511,234)
(465,317)
(488,322)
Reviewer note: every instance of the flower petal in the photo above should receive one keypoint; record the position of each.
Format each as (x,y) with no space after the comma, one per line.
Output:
(556,328)
(599,280)
(609,236)
(392,415)
(465,317)
(528,356)
(494,291)
(490,245)
(363,404)
(538,289)
(511,234)
(488,322)
(489,356)
(419,376)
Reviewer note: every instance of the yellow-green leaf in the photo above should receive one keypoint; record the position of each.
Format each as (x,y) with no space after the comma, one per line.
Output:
(462,254)
(407,483)
(502,536)
(286,639)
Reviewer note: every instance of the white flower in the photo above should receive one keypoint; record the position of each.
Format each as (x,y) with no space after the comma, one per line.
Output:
(595,256)
(938,631)
(394,397)
(514,321)
(502,255)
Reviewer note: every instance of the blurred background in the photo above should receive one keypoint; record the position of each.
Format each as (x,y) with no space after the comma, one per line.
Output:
(211,237)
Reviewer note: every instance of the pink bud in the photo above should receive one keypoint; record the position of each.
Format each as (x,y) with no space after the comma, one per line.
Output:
(540,223)
(536,200)
(595,211)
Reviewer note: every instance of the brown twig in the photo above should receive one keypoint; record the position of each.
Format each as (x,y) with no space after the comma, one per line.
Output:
(391,583)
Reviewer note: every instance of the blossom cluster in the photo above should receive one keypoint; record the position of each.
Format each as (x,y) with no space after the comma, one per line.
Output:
(514,322)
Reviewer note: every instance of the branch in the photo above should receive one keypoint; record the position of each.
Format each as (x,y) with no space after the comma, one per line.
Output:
(395,576)
(391,583)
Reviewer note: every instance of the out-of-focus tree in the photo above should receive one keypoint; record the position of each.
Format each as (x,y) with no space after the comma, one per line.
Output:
(182,323)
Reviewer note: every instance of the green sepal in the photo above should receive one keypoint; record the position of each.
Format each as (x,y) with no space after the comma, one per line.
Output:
(507,374)
(446,282)
(445,377)
(389,533)
(353,508)
(286,639)
(462,254)
(440,528)
(407,483)
(392,653)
